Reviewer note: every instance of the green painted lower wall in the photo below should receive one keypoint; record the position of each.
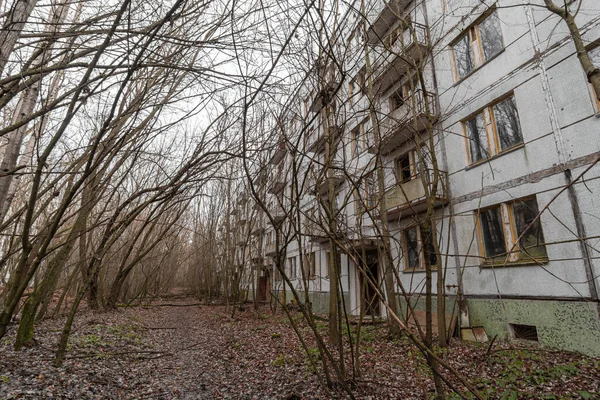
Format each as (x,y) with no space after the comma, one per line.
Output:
(318,300)
(418,303)
(566,325)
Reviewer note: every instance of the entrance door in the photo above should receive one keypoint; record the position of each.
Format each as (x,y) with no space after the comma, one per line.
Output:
(370,298)
(262,288)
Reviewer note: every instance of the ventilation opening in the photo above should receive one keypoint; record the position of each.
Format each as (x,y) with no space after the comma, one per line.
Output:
(524,332)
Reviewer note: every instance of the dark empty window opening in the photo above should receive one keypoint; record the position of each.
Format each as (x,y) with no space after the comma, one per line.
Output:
(396,100)
(524,332)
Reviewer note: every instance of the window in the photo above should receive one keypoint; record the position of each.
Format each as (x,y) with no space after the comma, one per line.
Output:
(407,167)
(396,100)
(365,194)
(292,267)
(358,139)
(481,42)
(405,93)
(501,226)
(493,130)
(413,242)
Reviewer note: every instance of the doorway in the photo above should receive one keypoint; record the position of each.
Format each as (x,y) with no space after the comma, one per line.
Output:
(262,288)
(370,298)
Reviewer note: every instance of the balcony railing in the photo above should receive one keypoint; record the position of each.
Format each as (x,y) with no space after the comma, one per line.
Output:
(401,124)
(383,15)
(408,50)
(277,212)
(411,197)
(319,233)
(324,96)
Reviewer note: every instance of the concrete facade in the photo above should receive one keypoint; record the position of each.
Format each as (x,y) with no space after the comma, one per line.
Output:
(532,79)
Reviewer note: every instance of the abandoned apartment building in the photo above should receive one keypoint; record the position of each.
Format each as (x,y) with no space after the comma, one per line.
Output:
(486,99)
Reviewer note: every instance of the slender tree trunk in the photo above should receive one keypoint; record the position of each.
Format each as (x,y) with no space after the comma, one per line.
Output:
(11,30)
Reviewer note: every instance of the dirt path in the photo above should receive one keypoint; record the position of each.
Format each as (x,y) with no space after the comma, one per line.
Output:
(162,352)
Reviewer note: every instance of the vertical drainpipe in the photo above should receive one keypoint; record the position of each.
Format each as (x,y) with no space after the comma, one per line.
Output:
(563,158)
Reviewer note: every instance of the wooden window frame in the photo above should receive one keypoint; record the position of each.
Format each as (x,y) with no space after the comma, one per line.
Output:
(510,236)
(361,140)
(478,55)
(413,160)
(293,268)
(594,47)
(420,249)
(491,131)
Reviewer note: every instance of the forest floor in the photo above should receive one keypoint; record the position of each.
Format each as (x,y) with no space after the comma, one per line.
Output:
(187,351)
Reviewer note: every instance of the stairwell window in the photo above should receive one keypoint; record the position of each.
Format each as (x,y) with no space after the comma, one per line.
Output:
(480,43)
(493,130)
(510,232)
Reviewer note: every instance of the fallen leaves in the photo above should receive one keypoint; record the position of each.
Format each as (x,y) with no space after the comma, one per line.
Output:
(192,352)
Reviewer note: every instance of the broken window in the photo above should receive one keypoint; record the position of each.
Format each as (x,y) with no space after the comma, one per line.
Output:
(404,169)
(407,167)
(396,100)
(510,232)
(493,130)
(481,42)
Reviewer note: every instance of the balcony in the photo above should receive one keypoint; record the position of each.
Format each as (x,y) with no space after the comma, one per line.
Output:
(316,137)
(409,49)
(320,233)
(410,197)
(384,15)
(277,213)
(324,96)
(401,124)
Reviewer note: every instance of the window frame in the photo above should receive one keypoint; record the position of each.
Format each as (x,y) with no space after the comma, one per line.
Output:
(512,255)
(420,249)
(491,129)
(595,100)
(413,160)
(478,55)
(293,268)
(358,144)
